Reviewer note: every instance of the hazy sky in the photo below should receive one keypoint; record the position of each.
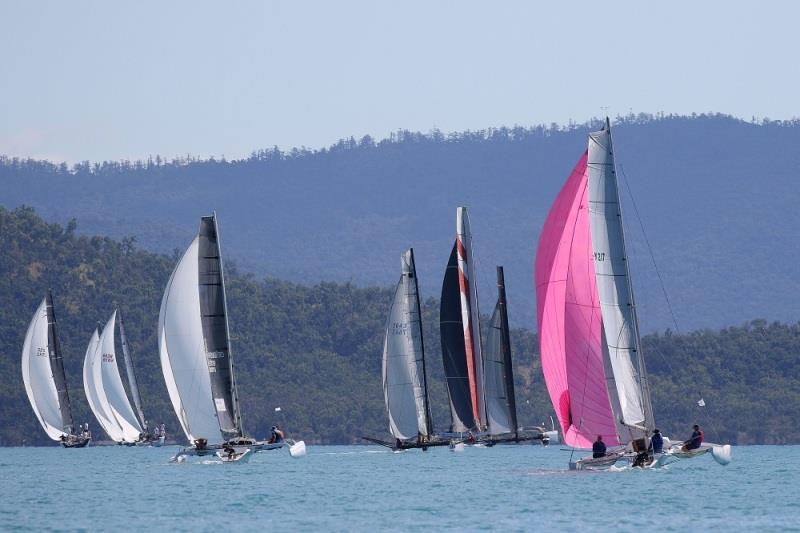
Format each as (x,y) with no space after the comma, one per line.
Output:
(112,80)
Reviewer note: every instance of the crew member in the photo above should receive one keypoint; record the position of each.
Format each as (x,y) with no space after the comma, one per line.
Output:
(276,436)
(696,439)
(599,448)
(656,442)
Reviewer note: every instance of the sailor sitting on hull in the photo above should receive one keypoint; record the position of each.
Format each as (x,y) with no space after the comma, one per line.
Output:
(276,435)
(598,448)
(695,440)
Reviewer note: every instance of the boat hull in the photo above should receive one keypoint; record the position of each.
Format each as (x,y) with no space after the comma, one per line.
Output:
(77,442)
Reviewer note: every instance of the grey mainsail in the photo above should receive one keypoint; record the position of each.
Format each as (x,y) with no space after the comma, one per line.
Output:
(137,399)
(214,319)
(404,379)
(501,405)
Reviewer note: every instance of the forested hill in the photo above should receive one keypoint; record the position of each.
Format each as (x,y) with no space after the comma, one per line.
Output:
(315,350)
(717,196)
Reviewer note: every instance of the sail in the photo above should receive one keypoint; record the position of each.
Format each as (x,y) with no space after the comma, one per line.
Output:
(214,319)
(183,354)
(613,284)
(569,320)
(470,316)
(92,384)
(454,353)
(501,407)
(403,359)
(112,386)
(57,367)
(37,375)
(129,370)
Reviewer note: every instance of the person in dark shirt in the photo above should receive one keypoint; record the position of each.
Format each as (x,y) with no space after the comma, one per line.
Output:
(599,448)
(656,442)
(696,439)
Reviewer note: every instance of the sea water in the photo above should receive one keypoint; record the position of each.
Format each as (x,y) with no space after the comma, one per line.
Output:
(368,488)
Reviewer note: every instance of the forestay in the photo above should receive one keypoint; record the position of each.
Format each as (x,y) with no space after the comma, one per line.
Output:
(403,359)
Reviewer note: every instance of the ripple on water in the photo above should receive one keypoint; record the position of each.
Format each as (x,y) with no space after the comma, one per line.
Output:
(358,488)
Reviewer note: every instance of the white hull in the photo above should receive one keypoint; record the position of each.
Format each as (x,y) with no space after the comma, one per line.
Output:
(241,456)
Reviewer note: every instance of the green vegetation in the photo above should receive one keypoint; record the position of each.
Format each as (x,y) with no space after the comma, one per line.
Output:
(315,350)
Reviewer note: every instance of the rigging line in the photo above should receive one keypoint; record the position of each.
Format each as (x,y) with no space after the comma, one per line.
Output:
(649,248)
(660,280)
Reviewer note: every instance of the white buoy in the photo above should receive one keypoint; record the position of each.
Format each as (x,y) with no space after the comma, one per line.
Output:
(458,447)
(722,454)
(298,449)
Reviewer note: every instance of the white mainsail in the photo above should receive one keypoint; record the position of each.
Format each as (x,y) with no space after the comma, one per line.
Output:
(92,384)
(112,386)
(183,354)
(403,375)
(620,332)
(37,374)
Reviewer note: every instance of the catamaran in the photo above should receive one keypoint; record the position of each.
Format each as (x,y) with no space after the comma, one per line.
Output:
(106,394)
(45,379)
(588,328)
(405,384)
(196,357)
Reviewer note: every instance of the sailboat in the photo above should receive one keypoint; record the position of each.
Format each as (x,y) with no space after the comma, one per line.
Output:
(588,328)
(45,379)
(459,322)
(104,390)
(501,405)
(405,385)
(195,350)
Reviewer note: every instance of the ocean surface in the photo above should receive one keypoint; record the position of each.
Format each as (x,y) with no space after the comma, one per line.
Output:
(367,488)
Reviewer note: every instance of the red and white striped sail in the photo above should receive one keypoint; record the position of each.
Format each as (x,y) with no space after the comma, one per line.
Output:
(470,315)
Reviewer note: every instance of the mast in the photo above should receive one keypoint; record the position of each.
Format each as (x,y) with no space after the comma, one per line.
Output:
(506,341)
(137,399)
(57,366)
(428,418)
(234,389)
(644,385)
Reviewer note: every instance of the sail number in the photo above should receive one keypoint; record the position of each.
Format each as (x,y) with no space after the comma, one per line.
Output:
(108,357)
(399,328)
(599,256)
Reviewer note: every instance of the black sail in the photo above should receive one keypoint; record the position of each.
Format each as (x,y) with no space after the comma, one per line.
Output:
(213,313)
(499,374)
(454,354)
(57,366)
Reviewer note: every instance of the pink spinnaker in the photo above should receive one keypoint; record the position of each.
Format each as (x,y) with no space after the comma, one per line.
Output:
(569,319)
